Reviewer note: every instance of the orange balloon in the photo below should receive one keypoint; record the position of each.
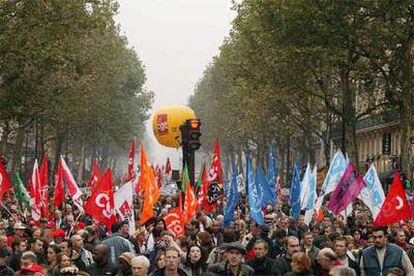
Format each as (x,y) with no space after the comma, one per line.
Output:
(166,124)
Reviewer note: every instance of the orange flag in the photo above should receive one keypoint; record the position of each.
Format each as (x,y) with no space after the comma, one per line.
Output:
(191,203)
(149,187)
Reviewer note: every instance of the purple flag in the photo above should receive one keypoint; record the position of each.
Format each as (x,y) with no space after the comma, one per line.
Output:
(347,190)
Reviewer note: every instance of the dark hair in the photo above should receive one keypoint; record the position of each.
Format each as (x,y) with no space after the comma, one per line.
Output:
(115,227)
(55,248)
(396,271)
(16,243)
(157,231)
(68,241)
(229,235)
(205,239)
(341,238)
(201,265)
(378,228)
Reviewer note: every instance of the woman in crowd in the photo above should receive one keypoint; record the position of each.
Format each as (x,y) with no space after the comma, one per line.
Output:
(51,255)
(195,263)
(301,265)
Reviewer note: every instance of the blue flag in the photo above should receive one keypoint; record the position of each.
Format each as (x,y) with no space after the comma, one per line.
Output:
(263,189)
(253,196)
(232,200)
(272,172)
(295,192)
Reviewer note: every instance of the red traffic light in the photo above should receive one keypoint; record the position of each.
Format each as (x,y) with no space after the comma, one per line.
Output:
(195,123)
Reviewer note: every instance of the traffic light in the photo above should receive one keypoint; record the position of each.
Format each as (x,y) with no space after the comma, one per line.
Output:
(194,133)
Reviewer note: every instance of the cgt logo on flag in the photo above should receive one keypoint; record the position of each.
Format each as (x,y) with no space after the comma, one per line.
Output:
(162,124)
(102,201)
(174,224)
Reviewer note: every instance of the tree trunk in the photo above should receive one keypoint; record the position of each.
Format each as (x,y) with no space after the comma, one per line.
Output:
(17,151)
(58,147)
(5,134)
(349,145)
(406,109)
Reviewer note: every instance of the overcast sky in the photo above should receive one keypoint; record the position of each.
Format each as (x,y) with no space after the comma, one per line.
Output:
(175,39)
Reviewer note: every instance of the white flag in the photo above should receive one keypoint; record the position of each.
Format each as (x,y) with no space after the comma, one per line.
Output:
(124,205)
(372,194)
(336,171)
(74,191)
(305,190)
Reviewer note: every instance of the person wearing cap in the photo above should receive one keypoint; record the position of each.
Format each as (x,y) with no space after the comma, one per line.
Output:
(19,230)
(125,268)
(234,264)
(4,269)
(261,263)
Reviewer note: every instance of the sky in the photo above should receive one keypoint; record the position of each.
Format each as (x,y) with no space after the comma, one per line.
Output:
(176,40)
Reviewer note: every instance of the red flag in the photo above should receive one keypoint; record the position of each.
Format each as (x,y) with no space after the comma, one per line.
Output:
(395,206)
(5,184)
(215,180)
(191,204)
(44,186)
(100,204)
(95,175)
(34,188)
(175,220)
(203,191)
(158,176)
(59,194)
(149,187)
(73,189)
(131,161)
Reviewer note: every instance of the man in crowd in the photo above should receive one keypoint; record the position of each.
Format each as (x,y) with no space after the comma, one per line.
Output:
(172,263)
(284,262)
(261,263)
(341,249)
(102,264)
(117,244)
(379,258)
(234,264)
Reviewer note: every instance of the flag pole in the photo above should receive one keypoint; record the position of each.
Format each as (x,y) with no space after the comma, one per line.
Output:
(76,221)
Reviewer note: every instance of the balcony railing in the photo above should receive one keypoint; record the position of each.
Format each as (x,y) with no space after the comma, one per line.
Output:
(386,117)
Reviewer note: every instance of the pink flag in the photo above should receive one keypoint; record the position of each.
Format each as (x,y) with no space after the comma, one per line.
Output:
(347,190)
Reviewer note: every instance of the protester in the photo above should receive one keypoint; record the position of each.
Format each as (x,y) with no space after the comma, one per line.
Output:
(195,263)
(172,263)
(140,266)
(261,263)
(373,259)
(102,264)
(301,265)
(234,264)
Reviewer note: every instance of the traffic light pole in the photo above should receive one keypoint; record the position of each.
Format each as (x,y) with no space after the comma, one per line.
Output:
(190,143)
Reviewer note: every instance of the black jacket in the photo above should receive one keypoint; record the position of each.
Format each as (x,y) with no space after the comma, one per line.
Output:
(223,269)
(284,264)
(264,266)
(161,272)
(103,269)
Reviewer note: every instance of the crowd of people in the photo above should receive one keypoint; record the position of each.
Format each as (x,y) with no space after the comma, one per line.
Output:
(70,243)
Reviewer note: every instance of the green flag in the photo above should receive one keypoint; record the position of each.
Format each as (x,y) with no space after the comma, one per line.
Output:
(21,193)
(185,179)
